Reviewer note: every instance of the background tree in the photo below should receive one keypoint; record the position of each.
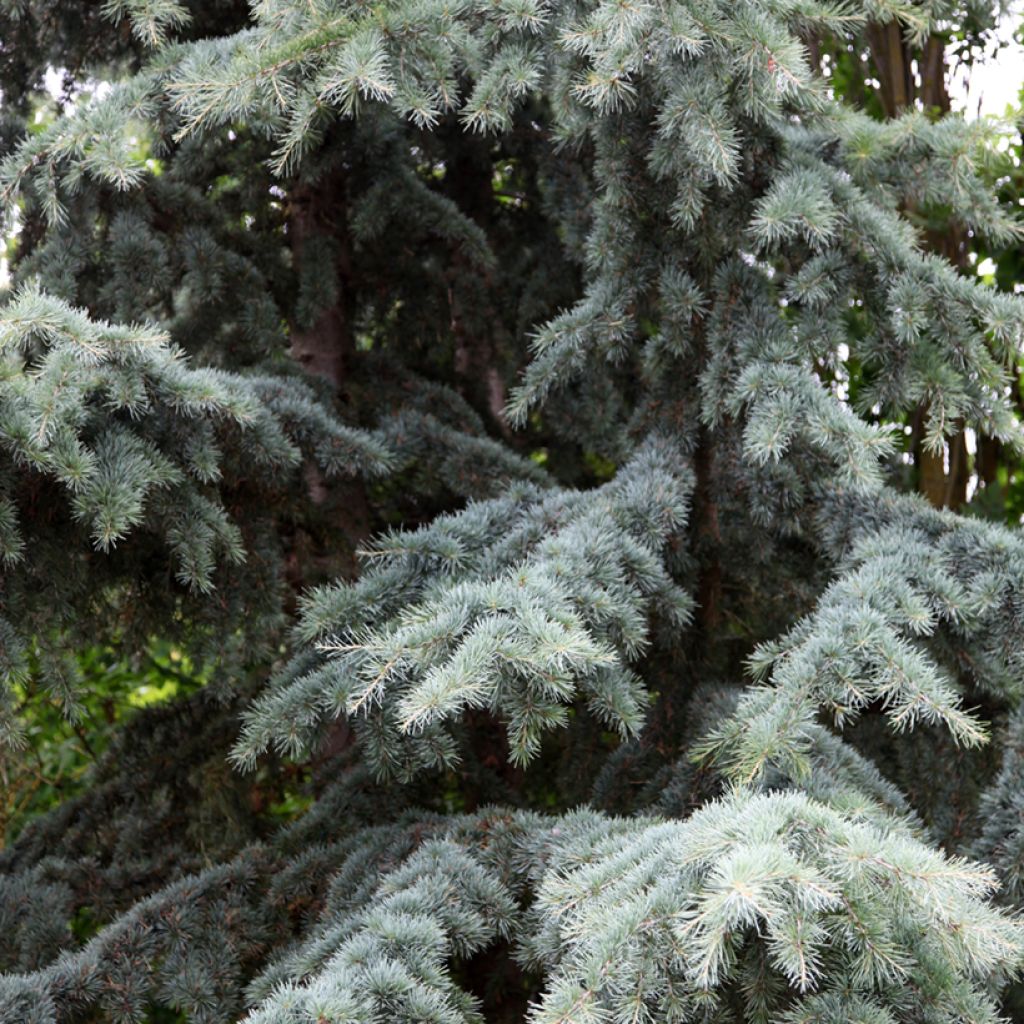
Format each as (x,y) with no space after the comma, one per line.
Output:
(885,71)
(494,405)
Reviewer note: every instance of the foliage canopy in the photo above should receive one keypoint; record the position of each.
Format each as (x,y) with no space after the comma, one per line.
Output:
(501,406)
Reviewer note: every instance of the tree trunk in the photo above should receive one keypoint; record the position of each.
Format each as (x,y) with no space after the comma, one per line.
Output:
(326,348)
(892,58)
(477,328)
(894,63)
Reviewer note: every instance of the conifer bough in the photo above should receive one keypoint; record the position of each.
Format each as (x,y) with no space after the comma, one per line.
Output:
(593,327)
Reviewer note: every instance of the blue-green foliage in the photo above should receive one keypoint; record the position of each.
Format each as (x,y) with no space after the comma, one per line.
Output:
(728,590)
(520,605)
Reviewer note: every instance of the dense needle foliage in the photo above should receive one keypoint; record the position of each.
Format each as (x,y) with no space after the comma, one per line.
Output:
(499,412)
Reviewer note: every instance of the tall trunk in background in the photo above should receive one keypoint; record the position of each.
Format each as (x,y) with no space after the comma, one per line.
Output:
(478,333)
(325,347)
(892,58)
(906,76)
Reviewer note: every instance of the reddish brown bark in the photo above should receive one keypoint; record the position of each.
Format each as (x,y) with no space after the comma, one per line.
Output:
(326,348)
(900,89)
